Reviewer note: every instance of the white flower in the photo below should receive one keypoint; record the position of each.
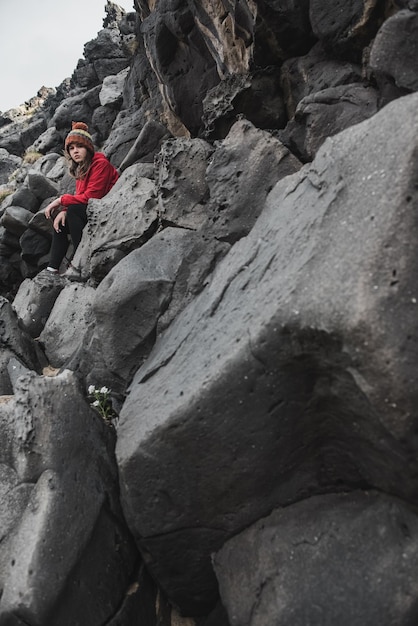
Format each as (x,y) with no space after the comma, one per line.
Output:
(104,390)
(91,389)
(96,403)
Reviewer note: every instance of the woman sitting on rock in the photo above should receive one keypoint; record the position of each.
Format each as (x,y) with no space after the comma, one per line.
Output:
(95,177)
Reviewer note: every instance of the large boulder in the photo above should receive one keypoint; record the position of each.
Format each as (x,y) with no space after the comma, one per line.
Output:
(126,133)
(344,27)
(294,371)
(68,321)
(16,219)
(118,223)
(394,52)
(42,187)
(182,186)
(326,113)
(25,198)
(139,297)
(35,299)
(66,556)
(303,564)
(313,72)
(181,60)
(16,343)
(241,172)
(282,29)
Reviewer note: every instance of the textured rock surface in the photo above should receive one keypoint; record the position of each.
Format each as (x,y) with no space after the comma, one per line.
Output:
(34,301)
(395,49)
(130,300)
(325,113)
(67,322)
(274,355)
(118,223)
(15,342)
(242,171)
(66,556)
(285,346)
(302,564)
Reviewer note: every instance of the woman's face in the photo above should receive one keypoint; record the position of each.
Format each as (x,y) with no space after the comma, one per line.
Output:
(77,152)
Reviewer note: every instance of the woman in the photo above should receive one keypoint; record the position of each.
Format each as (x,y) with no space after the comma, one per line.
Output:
(95,177)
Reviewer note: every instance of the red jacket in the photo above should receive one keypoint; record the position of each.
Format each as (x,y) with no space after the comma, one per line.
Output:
(99,180)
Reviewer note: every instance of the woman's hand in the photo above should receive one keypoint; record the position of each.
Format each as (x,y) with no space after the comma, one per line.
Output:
(51,208)
(60,221)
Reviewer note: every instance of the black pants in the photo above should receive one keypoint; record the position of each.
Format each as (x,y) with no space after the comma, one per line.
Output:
(74,224)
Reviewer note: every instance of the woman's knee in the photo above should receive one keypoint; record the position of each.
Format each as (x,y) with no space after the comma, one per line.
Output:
(77,213)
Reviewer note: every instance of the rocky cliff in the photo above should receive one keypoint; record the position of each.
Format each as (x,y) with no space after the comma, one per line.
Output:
(217,426)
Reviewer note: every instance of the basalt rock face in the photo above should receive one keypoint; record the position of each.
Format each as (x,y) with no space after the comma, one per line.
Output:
(286,376)
(248,295)
(317,550)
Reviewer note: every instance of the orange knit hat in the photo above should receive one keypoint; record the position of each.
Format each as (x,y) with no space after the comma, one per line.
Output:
(79,133)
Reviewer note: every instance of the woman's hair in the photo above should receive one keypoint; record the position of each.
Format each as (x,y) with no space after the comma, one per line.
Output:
(80,135)
(79,170)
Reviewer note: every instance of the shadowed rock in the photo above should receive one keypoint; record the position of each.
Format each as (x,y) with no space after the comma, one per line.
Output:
(15,342)
(324,114)
(293,371)
(15,219)
(35,299)
(313,72)
(302,564)
(139,297)
(66,556)
(344,27)
(395,50)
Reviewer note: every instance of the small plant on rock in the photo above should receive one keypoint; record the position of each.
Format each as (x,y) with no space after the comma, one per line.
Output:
(31,156)
(100,400)
(4,193)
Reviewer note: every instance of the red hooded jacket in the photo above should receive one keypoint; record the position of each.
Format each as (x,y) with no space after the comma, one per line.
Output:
(99,180)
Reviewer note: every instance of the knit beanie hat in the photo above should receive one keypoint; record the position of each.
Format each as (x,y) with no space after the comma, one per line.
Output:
(79,133)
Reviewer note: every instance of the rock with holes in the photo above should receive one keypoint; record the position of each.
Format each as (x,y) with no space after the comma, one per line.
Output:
(242,171)
(118,223)
(66,556)
(255,96)
(182,186)
(303,564)
(294,371)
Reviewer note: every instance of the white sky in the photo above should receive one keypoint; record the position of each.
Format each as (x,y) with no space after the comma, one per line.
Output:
(41,42)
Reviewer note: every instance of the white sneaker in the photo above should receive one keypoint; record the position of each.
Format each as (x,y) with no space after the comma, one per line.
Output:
(53,270)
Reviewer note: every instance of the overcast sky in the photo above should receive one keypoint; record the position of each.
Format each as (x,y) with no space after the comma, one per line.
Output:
(41,42)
